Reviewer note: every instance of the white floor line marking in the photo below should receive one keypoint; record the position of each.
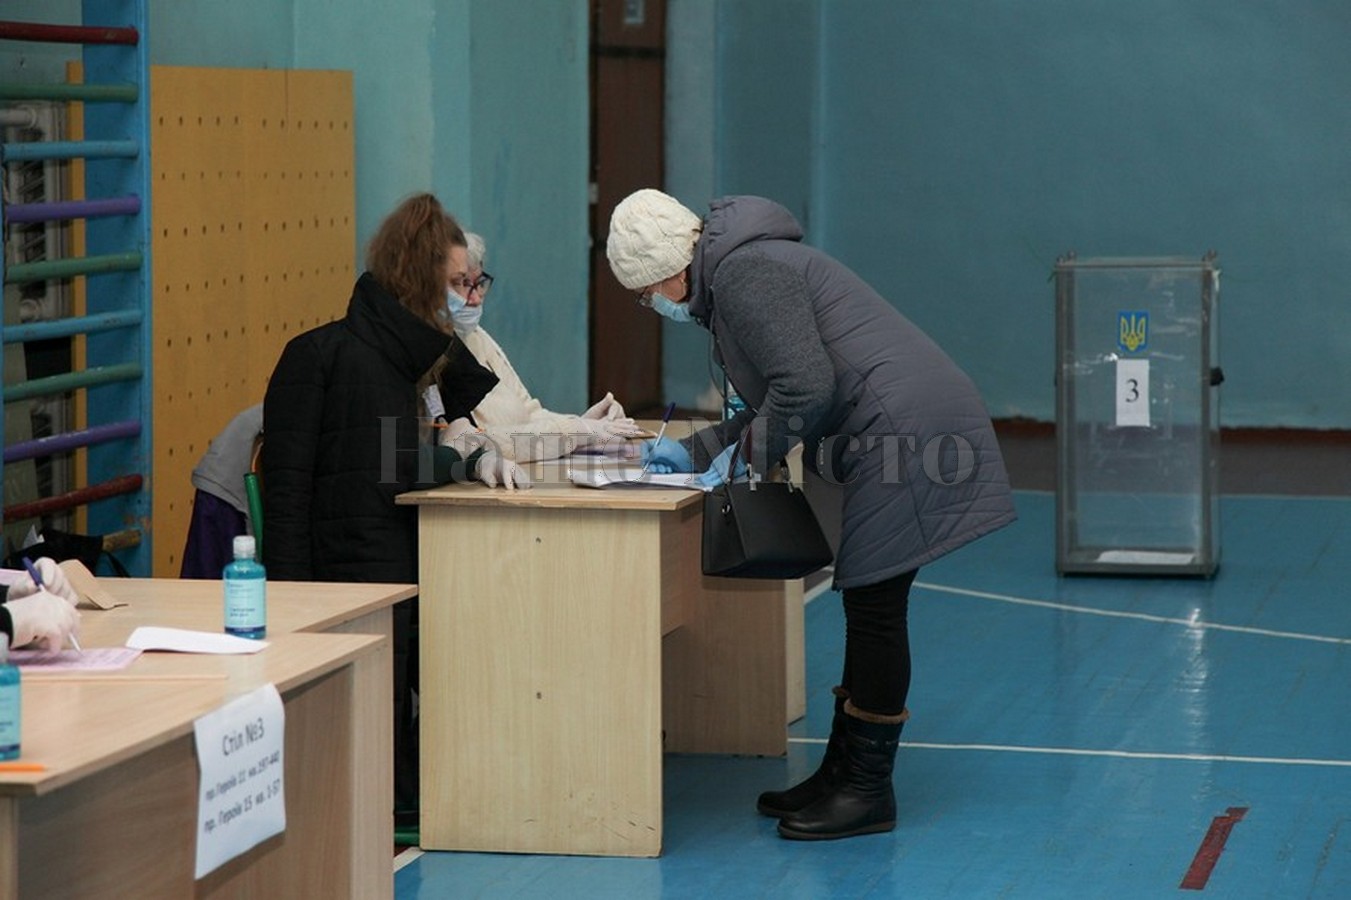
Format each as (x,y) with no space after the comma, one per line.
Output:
(406,857)
(1118,754)
(1144,617)
(1226,496)
(1286,497)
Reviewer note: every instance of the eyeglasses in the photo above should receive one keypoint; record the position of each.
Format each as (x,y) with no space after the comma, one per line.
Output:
(466,285)
(644,297)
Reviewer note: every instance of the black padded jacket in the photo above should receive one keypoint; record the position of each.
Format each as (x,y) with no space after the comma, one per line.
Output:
(341,439)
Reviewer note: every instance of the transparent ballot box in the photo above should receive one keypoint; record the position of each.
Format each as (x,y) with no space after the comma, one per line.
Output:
(1137,415)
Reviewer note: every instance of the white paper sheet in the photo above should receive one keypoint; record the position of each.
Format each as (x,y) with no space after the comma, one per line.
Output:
(149,637)
(630,477)
(1132,393)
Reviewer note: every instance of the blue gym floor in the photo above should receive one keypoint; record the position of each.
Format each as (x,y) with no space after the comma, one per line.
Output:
(1071,737)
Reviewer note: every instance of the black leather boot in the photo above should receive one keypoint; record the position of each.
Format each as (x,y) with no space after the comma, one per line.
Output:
(862,801)
(781,803)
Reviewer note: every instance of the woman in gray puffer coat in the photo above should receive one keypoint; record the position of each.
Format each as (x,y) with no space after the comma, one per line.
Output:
(821,358)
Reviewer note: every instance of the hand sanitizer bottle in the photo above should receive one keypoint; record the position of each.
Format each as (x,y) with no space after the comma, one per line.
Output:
(245,592)
(9,704)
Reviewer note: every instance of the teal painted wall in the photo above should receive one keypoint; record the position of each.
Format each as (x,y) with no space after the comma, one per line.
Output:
(742,118)
(487,105)
(947,151)
(691,124)
(768,135)
(530,159)
(243,34)
(1007,134)
(1010,133)
(37,62)
(962,146)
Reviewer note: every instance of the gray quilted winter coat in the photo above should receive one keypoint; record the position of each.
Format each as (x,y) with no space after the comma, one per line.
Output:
(821,357)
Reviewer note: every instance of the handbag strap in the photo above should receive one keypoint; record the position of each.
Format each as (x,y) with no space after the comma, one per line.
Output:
(741,438)
(750,469)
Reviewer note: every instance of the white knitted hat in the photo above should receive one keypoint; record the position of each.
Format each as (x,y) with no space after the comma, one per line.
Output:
(652,237)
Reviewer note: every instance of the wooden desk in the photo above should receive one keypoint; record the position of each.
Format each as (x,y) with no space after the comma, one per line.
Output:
(199,604)
(564,632)
(115,812)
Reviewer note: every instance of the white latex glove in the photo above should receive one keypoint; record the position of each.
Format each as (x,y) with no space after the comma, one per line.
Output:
(53,579)
(496,471)
(42,619)
(463,436)
(601,431)
(607,408)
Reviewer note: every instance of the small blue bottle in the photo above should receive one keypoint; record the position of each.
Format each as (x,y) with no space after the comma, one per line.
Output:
(10,697)
(245,592)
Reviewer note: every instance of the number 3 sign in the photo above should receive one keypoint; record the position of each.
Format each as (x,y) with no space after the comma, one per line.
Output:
(1132,393)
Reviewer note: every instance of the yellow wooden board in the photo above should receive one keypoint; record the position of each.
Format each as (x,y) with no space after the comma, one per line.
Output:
(253,242)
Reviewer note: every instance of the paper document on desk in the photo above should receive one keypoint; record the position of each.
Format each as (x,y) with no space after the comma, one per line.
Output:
(95,659)
(181,640)
(615,448)
(630,477)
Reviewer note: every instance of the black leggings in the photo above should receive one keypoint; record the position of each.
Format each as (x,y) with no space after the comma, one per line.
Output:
(877,645)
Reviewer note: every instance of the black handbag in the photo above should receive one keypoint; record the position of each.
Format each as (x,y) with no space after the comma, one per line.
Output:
(761,529)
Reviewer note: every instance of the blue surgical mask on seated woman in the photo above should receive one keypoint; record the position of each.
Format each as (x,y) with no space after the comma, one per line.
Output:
(676,312)
(464,316)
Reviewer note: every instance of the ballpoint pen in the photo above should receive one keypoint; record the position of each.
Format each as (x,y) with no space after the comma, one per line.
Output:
(665,420)
(34,574)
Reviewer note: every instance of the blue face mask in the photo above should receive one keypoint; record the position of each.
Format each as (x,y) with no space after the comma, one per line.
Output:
(464,316)
(676,312)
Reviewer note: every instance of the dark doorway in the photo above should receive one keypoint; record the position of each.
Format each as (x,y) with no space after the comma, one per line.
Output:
(628,61)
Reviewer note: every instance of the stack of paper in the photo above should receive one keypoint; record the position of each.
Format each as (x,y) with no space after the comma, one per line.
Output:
(610,475)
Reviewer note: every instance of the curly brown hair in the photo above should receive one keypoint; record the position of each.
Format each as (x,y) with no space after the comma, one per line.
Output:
(408,255)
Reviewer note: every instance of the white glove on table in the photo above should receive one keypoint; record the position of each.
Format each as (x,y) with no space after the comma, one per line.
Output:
(494,470)
(53,579)
(42,619)
(463,437)
(606,408)
(601,431)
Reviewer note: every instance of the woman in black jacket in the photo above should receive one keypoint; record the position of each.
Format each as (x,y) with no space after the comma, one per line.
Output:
(345,433)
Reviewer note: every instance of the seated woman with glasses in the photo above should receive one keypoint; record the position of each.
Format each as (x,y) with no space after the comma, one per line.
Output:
(517,424)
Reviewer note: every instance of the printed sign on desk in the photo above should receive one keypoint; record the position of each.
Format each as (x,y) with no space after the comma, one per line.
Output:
(241,799)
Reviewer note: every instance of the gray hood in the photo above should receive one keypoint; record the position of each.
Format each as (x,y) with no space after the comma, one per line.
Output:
(733,222)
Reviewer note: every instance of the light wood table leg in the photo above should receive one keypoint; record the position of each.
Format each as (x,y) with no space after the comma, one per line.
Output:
(372,785)
(9,848)
(733,675)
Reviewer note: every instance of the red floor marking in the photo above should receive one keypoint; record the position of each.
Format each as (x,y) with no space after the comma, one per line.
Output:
(1212,845)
